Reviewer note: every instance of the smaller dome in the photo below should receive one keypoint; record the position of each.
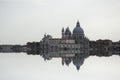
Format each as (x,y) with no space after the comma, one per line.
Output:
(67,32)
(78,29)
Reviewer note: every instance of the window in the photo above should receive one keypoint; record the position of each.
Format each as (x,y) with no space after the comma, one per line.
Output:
(65,48)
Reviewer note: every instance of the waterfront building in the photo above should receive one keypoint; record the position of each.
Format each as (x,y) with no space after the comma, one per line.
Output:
(72,47)
(69,45)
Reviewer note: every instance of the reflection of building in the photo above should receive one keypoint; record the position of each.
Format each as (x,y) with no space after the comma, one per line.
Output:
(104,48)
(13,48)
(116,48)
(74,47)
(101,47)
(6,48)
(70,47)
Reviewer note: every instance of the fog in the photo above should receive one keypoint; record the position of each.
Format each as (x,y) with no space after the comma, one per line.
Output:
(28,20)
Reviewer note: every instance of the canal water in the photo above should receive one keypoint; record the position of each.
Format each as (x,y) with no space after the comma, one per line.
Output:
(20,66)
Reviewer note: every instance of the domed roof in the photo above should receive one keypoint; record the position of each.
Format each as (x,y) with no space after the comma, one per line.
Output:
(78,29)
(67,32)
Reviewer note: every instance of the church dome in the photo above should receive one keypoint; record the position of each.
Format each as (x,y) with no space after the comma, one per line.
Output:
(78,29)
(67,32)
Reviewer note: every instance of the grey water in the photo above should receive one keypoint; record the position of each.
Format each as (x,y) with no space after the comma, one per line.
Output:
(20,66)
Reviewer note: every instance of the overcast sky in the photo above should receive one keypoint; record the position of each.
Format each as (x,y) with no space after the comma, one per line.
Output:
(28,20)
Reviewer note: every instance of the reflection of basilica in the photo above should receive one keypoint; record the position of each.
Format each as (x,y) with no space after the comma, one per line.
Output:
(77,61)
(75,47)
(72,47)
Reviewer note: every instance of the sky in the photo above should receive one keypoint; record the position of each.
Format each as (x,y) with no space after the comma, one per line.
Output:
(24,21)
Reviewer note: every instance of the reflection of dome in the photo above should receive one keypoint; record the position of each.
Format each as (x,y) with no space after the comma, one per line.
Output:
(78,29)
(77,67)
(67,32)
(67,61)
(78,62)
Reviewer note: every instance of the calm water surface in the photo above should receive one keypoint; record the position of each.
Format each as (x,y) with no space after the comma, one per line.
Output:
(20,66)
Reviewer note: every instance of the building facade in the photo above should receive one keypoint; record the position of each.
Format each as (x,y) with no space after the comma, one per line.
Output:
(71,47)
(71,44)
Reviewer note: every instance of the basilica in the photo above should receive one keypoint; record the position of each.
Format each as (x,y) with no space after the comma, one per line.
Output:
(72,46)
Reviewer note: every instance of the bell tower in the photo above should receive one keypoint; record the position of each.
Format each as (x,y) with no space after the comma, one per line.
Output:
(63,33)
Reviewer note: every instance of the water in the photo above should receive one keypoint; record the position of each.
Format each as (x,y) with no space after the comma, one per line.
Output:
(20,66)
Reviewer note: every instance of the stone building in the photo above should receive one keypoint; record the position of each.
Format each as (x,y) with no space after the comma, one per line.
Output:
(104,48)
(101,47)
(116,48)
(73,47)
(69,45)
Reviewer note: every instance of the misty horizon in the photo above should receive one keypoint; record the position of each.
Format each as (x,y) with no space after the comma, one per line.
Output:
(23,20)
(26,21)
